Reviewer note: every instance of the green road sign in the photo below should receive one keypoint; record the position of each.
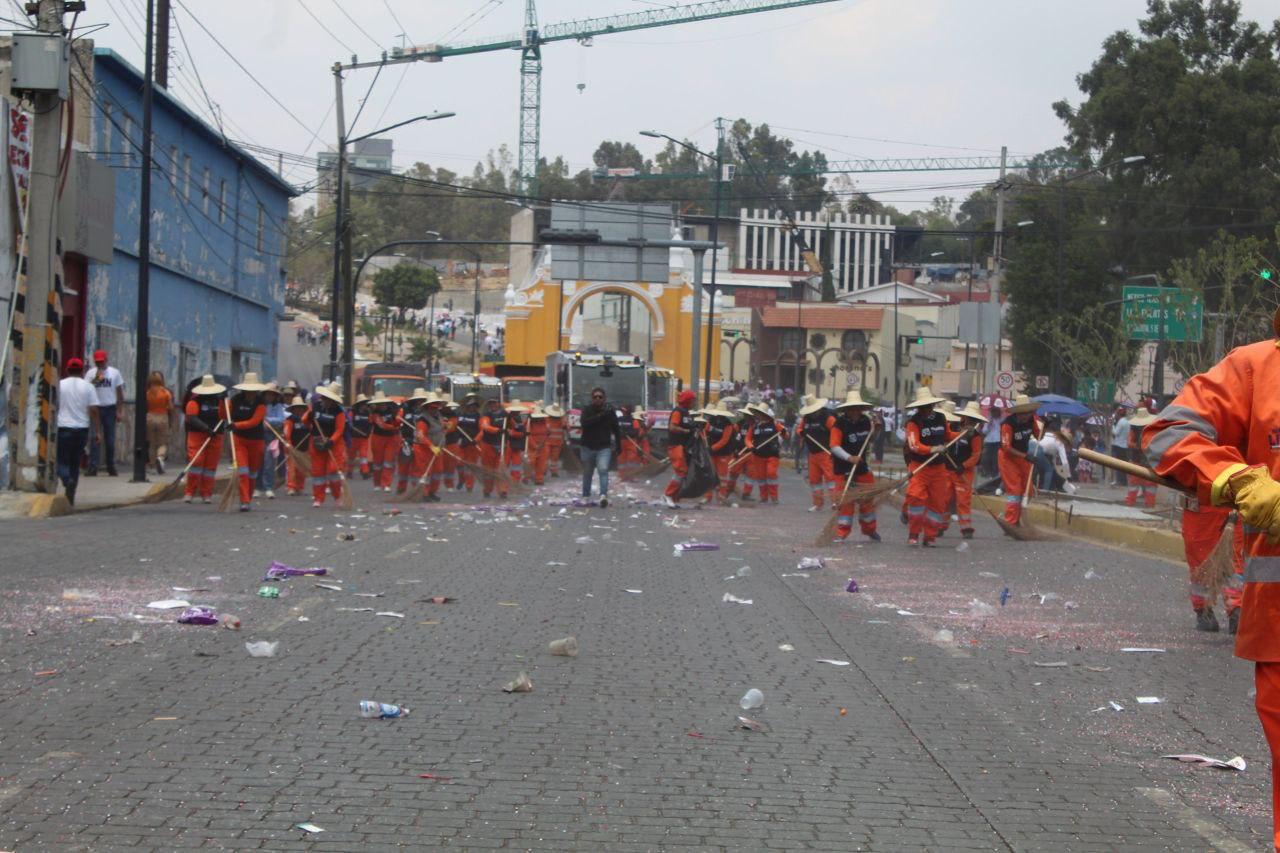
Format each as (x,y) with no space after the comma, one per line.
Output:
(1141,309)
(1092,390)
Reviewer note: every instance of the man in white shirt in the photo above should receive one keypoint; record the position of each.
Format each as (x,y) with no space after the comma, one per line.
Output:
(1120,441)
(109,385)
(77,413)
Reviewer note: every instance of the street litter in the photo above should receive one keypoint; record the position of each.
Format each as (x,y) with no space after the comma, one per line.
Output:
(86,595)
(436,539)
(268,592)
(309,827)
(1149,700)
(330,586)
(136,637)
(804,575)
(584,540)
(168,604)
(944,636)
(1140,649)
(1049,596)
(751,700)
(1097,668)
(988,575)
(390,613)
(786,647)
(632,591)
(567,647)
(681,547)
(372,710)
(436,599)
(832,662)
(979,609)
(44,672)
(743,572)
(1237,763)
(278,571)
(851,586)
(963,546)
(1090,575)
(907,613)
(1069,605)
(433,777)
(1049,663)
(367,594)
(811,563)
(198,616)
(750,724)
(1116,706)
(522,684)
(1004,596)
(508,604)
(395,528)
(346,537)
(261,649)
(355,609)
(556,563)
(730,598)
(176,589)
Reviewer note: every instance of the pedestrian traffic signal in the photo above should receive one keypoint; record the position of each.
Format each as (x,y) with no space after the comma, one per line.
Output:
(1266,274)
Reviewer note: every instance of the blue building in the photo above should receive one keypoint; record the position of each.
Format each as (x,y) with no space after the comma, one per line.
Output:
(219,220)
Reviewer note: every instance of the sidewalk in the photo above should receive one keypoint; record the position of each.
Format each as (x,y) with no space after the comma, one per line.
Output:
(93,493)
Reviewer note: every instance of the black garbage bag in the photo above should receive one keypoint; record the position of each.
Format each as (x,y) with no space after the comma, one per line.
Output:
(701,476)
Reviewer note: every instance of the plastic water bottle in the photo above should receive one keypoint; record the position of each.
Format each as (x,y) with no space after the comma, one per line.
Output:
(753,698)
(372,710)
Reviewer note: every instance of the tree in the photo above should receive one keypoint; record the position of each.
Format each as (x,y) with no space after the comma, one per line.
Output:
(405,286)
(1091,343)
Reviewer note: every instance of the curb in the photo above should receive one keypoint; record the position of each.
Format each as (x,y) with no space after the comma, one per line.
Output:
(54,506)
(1122,534)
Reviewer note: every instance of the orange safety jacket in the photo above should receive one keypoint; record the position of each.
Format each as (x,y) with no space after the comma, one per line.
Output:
(1224,421)
(555,430)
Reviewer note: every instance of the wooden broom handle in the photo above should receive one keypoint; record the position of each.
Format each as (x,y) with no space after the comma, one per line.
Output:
(1142,472)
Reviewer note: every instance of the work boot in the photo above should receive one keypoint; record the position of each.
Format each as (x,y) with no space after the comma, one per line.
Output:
(71,494)
(966,532)
(930,543)
(1206,620)
(873,536)
(1233,620)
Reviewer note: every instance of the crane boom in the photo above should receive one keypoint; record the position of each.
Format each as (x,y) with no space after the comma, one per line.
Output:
(529,42)
(893,164)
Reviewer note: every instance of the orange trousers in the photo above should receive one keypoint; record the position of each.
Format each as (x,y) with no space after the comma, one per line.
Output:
(1148,491)
(927,500)
(382,458)
(629,459)
(515,465)
(467,453)
(553,456)
(762,472)
(297,480)
(1201,531)
(962,487)
(537,457)
(204,470)
(490,462)
(360,455)
(679,467)
(722,471)
(325,468)
(448,466)
(1266,678)
(866,509)
(249,461)
(820,475)
(1014,473)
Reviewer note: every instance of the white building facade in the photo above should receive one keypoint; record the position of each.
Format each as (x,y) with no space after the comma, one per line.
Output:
(861,245)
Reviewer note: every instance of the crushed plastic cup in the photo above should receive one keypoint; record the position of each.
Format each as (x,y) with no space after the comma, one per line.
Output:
(198,616)
(279,571)
(811,563)
(372,710)
(565,648)
(743,572)
(261,649)
(751,700)
(522,684)
(268,591)
(584,540)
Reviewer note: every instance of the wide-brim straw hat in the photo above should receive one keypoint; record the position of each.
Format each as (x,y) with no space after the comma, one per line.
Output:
(272,388)
(853,400)
(296,403)
(638,412)
(717,412)
(251,382)
(554,411)
(379,398)
(814,405)
(1141,417)
(925,397)
(330,392)
(361,398)
(418,394)
(1023,403)
(973,410)
(208,386)
(948,409)
(518,406)
(538,412)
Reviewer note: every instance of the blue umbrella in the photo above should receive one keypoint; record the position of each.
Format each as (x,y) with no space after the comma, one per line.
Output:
(1056,404)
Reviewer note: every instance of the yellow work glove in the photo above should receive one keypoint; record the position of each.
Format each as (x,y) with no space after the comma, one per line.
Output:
(1257,496)
(435,451)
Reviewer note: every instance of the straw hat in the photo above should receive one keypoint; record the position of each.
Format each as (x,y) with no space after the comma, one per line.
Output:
(208,386)
(331,392)
(973,410)
(1023,403)
(380,398)
(538,412)
(361,398)
(717,412)
(1141,417)
(924,397)
(948,409)
(272,387)
(296,403)
(814,405)
(853,400)
(517,406)
(251,382)
(554,411)
(638,412)
(418,394)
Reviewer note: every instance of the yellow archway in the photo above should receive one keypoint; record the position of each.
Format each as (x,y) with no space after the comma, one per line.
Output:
(539,312)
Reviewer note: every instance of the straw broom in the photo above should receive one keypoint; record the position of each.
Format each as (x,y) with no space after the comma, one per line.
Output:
(1024,530)
(879,491)
(420,489)
(828,531)
(347,501)
(233,485)
(299,458)
(174,489)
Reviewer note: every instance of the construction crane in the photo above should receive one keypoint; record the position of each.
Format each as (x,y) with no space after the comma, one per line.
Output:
(530,40)
(853,167)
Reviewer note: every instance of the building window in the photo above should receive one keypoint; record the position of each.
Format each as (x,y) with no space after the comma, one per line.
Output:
(173,168)
(222,200)
(128,140)
(205,191)
(186,178)
(854,340)
(106,131)
(791,339)
(262,227)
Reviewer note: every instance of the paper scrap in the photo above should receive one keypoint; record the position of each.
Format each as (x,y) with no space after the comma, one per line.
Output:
(632,591)
(733,599)
(390,613)
(168,604)
(309,827)
(833,662)
(1238,763)
(786,647)
(1149,700)
(1141,649)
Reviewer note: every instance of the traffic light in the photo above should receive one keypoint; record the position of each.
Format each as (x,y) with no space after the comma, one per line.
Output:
(920,341)
(1267,274)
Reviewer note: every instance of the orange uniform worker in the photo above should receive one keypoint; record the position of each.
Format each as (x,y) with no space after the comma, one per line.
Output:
(384,442)
(962,463)
(1220,438)
(360,429)
(631,456)
(720,433)
(816,422)
(555,437)
(1202,527)
(517,441)
(1137,423)
(328,451)
(849,439)
(1019,427)
(448,464)
(493,445)
(410,461)
(741,464)
(297,431)
(428,456)
(537,452)
(929,489)
(468,449)
(247,433)
(764,442)
(205,418)
(680,435)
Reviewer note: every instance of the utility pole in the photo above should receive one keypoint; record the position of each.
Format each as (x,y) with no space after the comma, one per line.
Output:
(698,257)
(339,224)
(475,313)
(993,364)
(162,43)
(36,393)
(142,348)
(715,255)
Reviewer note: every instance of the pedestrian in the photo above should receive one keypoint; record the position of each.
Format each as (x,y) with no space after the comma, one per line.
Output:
(273,450)
(468,441)
(720,433)
(1052,462)
(1120,441)
(358,428)
(847,438)
(247,434)
(384,443)
(159,419)
(679,438)
(764,441)
(326,421)
(1137,422)
(991,444)
(1016,433)
(109,385)
(965,455)
(77,415)
(816,423)
(555,437)
(412,461)
(493,429)
(601,439)
(929,489)
(297,431)
(517,440)
(206,415)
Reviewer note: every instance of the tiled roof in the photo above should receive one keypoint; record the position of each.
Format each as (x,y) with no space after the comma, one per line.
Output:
(822,316)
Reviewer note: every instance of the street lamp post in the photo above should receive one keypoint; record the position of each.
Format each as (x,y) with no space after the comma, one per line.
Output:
(475,296)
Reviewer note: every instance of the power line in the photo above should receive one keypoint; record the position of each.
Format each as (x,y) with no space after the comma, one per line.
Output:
(399,24)
(377,44)
(331,33)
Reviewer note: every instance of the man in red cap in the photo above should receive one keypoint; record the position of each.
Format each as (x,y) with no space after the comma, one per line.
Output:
(680,430)
(108,383)
(77,412)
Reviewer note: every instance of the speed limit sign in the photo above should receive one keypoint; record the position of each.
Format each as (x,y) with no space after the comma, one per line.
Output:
(1004,380)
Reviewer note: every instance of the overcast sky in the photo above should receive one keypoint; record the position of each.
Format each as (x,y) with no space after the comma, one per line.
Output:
(855,78)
